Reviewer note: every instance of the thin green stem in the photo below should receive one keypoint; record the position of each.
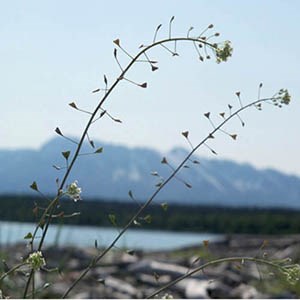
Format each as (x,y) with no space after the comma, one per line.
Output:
(41,220)
(147,203)
(28,283)
(33,286)
(109,91)
(93,115)
(16,267)
(211,263)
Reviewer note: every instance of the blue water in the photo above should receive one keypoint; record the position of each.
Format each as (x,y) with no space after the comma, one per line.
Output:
(13,232)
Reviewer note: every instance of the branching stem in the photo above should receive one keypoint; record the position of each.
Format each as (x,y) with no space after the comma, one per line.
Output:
(148,202)
(53,204)
(212,263)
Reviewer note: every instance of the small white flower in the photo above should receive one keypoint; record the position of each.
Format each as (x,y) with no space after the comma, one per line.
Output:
(36,260)
(73,191)
(292,273)
(284,95)
(223,51)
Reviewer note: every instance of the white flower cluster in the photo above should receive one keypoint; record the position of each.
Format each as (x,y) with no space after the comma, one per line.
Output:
(224,51)
(292,273)
(73,191)
(36,260)
(284,95)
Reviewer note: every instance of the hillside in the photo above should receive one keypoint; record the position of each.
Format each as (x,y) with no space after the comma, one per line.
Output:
(111,174)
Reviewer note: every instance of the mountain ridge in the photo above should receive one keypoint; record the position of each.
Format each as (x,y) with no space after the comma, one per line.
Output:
(111,174)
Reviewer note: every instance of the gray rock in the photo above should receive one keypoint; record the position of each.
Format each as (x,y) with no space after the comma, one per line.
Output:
(121,286)
(231,278)
(219,290)
(104,271)
(82,295)
(194,288)
(160,268)
(244,291)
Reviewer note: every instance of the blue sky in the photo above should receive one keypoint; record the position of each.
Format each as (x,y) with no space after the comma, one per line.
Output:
(56,52)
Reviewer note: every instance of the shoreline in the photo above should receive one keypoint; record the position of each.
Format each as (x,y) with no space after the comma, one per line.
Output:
(138,274)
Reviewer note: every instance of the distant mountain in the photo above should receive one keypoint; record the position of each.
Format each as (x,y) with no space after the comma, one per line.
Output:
(111,174)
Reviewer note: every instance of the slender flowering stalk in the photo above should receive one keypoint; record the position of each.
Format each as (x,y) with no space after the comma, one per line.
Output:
(222,53)
(277,97)
(93,116)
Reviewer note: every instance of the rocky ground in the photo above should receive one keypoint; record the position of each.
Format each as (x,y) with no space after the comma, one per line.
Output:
(124,274)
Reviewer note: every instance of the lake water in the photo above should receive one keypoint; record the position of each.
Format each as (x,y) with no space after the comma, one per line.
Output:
(13,232)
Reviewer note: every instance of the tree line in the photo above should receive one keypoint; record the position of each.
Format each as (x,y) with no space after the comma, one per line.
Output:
(194,218)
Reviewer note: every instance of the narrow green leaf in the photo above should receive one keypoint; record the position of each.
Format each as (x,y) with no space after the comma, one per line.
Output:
(112,219)
(92,144)
(164,206)
(42,223)
(188,185)
(34,186)
(73,104)
(99,150)
(130,194)
(148,219)
(117,42)
(143,85)
(117,120)
(57,130)
(154,68)
(207,115)
(158,27)
(66,154)
(185,134)
(154,173)
(164,161)
(233,136)
(28,236)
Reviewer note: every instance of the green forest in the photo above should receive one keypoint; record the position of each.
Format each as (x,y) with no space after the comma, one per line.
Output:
(194,218)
